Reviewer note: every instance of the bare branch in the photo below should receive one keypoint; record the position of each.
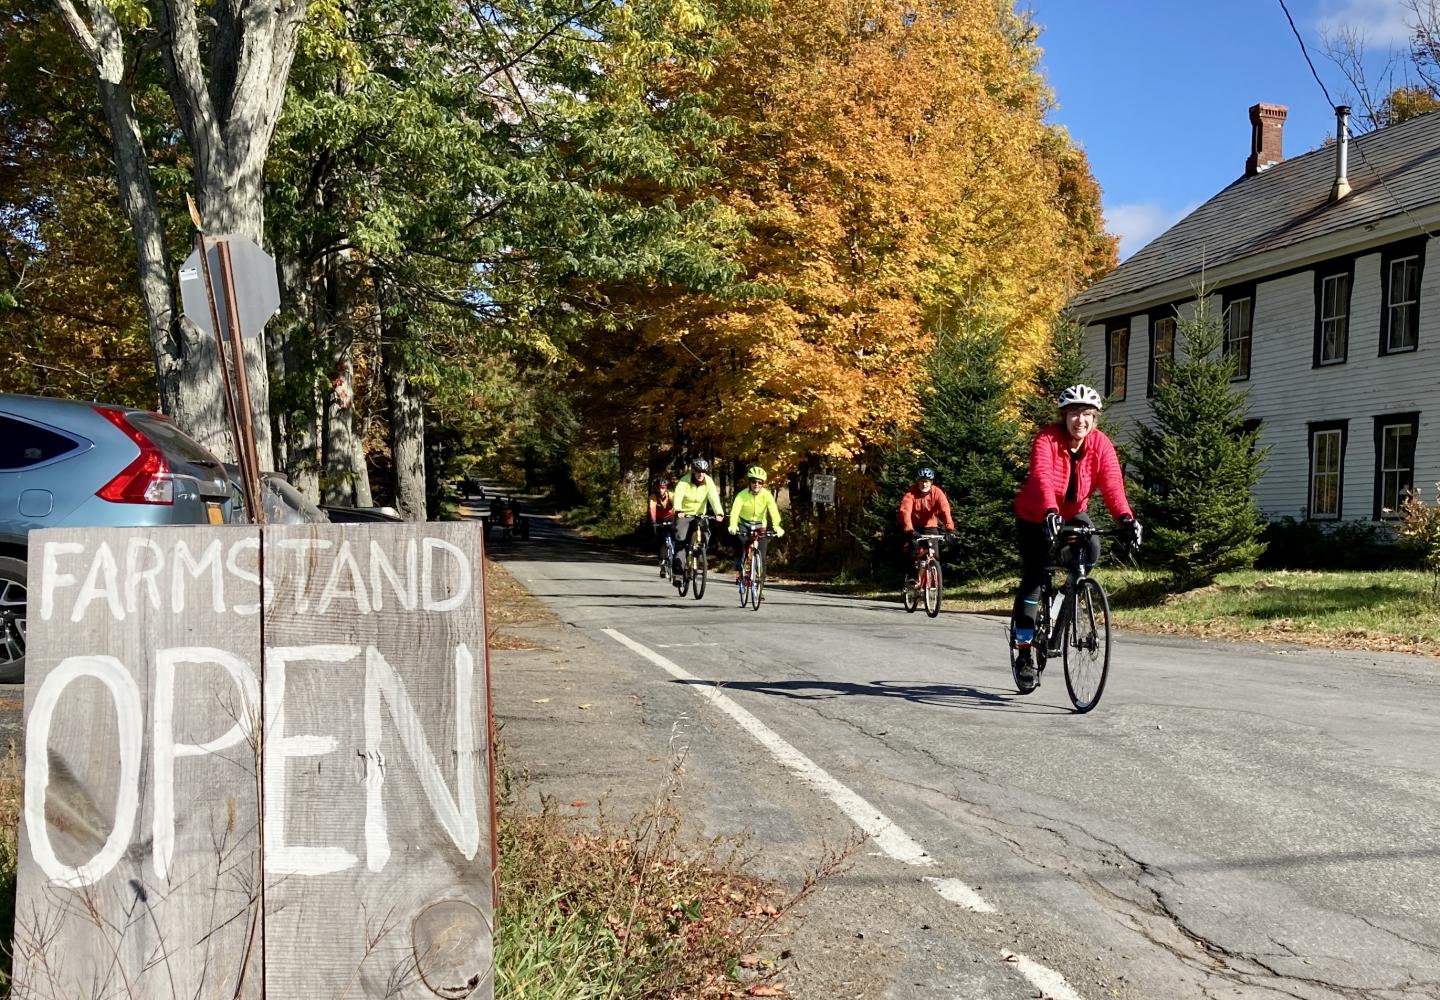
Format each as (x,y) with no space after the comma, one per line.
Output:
(79,29)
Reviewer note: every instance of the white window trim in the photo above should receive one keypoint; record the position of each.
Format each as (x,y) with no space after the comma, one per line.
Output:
(1391,305)
(1340,318)
(1316,473)
(1233,342)
(1393,511)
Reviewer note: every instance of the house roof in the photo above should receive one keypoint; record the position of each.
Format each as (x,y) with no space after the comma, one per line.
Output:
(1285,205)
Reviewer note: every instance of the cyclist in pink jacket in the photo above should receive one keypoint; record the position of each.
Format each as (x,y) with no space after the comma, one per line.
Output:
(1069,461)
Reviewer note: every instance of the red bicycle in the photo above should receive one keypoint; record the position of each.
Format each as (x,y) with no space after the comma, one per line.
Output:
(927,579)
(752,570)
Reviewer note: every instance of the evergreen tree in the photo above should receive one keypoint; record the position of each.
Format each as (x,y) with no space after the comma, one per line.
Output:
(970,436)
(1197,465)
(975,442)
(1063,365)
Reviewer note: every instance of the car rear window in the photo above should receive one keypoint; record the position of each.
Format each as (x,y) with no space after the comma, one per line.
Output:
(171,439)
(23,445)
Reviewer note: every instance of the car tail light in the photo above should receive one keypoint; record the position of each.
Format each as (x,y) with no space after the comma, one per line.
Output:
(145,480)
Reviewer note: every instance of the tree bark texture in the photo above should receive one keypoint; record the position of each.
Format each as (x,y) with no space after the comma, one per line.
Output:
(228,116)
(407,419)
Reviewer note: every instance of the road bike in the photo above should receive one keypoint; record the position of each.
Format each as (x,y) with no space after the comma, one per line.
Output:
(696,563)
(1080,632)
(752,570)
(927,580)
(667,547)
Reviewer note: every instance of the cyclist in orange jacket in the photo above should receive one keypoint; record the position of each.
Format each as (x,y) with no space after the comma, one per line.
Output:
(662,521)
(924,506)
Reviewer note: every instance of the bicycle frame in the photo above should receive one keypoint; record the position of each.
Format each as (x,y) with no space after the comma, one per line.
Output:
(1050,635)
(925,547)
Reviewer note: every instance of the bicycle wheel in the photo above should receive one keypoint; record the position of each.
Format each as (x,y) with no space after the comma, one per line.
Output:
(744,586)
(755,579)
(697,585)
(934,587)
(687,573)
(910,595)
(1087,645)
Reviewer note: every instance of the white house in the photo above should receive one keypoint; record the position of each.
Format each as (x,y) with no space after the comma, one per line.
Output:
(1318,266)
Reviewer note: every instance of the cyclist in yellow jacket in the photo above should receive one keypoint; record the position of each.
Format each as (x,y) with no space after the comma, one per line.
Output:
(693,493)
(751,509)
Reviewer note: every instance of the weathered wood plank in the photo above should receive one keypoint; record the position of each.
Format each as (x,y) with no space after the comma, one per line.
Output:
(377,791)
(139,852)
(151,665)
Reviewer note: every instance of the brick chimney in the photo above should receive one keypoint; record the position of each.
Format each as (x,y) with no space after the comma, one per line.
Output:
(1267,127)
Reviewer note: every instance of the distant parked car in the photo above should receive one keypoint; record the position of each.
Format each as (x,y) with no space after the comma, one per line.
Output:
(352,515)
(283,503)
(65,463)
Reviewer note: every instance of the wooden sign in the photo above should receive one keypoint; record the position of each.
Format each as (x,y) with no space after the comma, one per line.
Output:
(257,764)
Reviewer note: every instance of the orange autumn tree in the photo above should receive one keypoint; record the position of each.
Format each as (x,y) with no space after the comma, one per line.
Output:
(897,178)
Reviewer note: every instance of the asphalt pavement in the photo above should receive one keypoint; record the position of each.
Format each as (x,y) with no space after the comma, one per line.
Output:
(1233,820)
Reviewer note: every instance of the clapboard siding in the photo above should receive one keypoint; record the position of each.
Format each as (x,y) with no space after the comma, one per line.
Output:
(1287,391)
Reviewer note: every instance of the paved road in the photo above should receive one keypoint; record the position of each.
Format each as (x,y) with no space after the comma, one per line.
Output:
(1233,821)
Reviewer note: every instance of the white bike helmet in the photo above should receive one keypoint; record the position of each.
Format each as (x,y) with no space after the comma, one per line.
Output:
(1079,395)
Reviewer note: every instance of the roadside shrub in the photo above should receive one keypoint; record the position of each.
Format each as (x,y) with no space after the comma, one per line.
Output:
(1420,531)
(611,503)
(1344,545)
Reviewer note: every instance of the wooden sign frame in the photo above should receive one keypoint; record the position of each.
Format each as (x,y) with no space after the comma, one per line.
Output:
(204,705)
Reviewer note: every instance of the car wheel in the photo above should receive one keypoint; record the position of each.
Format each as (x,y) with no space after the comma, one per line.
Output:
(12,620)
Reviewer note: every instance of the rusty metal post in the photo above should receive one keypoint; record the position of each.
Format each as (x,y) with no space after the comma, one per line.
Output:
(252,500)
(250,463)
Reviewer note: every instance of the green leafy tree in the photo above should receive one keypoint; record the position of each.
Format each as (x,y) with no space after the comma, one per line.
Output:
(1197,465)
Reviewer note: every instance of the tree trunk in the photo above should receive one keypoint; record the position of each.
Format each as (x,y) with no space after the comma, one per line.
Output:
(407,417)
(297,398)
(228,120)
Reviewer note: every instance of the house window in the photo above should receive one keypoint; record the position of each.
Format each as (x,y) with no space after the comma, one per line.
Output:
(1402,307)
(1394,461)
(1117,350)
(1401,267)
(1239,321)
(1332,335)
(1162,352)
(1327,467)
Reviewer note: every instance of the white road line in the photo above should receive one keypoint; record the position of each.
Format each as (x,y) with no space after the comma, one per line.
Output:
(894,841)
(1051,984)
(960,894)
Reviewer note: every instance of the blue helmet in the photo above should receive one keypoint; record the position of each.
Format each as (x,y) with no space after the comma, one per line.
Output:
(926,473)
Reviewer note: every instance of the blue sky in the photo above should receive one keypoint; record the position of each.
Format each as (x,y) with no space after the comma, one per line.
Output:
(1157,92)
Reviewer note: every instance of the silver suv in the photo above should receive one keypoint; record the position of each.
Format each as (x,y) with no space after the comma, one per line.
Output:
(66,463)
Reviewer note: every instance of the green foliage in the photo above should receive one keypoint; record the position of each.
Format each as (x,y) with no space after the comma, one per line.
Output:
(968,434)
(612,503)
(1197,465)
(1344,545)
(1063,365)
(976,446)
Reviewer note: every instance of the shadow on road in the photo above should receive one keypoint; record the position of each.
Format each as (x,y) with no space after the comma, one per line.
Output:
(943,695)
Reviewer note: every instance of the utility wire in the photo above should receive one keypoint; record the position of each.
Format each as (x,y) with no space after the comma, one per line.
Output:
(1358,147)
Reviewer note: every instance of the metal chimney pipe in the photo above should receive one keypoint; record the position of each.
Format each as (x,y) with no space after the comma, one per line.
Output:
(1342,153)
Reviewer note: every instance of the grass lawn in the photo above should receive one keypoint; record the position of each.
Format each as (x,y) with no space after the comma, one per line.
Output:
(1389,610)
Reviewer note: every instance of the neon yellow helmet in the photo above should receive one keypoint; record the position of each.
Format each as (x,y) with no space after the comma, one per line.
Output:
(755,472)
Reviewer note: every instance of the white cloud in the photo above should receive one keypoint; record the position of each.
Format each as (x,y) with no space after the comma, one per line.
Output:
(1379,22)
(1139,222)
